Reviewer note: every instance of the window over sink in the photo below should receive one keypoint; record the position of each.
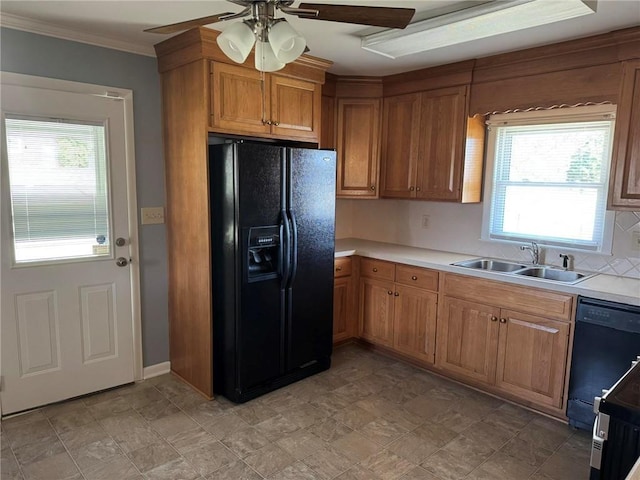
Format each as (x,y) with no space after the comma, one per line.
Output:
(547,178)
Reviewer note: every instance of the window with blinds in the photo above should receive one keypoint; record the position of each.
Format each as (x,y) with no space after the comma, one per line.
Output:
(58,182)
(547,178)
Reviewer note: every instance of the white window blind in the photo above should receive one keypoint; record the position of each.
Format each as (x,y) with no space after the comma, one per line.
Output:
(549,179)
(58,185)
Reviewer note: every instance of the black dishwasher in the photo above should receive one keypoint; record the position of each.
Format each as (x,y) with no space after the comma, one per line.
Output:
(606,341)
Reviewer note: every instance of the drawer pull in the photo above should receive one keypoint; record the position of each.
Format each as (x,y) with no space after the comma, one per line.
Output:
(503,320)
(375,269)
(413,277)
(494,319)
(389,292)
(373,187)
(338,269)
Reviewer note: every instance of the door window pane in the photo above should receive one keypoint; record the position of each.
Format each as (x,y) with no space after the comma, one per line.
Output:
(59,189)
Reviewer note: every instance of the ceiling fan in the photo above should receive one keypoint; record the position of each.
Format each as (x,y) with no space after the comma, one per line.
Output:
(276,42)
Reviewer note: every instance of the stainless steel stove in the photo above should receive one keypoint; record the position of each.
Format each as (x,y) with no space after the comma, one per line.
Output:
(616,432)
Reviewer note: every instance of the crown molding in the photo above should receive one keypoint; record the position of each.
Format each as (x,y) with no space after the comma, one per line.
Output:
(42,28)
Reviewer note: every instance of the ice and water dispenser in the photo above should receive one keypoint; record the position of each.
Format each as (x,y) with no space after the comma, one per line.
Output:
(263,253)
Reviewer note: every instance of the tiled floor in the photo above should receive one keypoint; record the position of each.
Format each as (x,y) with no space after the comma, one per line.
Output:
(368,418)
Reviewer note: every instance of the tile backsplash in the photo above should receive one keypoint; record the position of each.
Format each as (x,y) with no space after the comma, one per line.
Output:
(456,228)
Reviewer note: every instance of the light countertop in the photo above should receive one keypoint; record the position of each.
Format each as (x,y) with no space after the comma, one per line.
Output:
(600,286)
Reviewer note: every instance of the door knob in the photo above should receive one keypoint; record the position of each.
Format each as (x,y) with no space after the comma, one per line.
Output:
(120,242)
(122,262)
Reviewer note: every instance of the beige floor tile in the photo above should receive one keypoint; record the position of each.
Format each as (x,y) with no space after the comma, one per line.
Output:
(526,452)
(329,430)
(38,450)
(224,425)
(328,463)
(545,433)
(493,436)
(79,437)
(473,451)
(237,470)
(419,473)
(207,412)
(330,402)
(504,466)
(454,420)
(108,407)
(28,431)
(118,467)
(356,447)
(142,395)
(173,424)
(300,444)
(151,456)
(176,469)
(9,469)
(101,397)
(427,407)
(158,409)
(209,458)
(245,441)
(354,416)
(435,433)
(447,466)
(358,473)
(276,427)
(269,460)
(59,467)
(561,466)
(71,420)
(91,454)
(383,431)
(254,412)
(304,415)
(189,439)
(413,448)
(387,465)
(296,471)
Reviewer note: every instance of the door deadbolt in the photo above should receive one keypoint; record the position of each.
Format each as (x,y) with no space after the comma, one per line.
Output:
(120,242)
(122,262)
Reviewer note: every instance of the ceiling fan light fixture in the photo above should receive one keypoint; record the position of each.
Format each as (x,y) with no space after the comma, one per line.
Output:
(237,41)
(474,23)
(286,42)
(265,58)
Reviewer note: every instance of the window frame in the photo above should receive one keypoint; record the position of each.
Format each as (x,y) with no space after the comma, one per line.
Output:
(544,117)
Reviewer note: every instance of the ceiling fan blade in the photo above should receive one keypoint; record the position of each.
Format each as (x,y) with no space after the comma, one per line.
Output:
(388,17)
(196,22)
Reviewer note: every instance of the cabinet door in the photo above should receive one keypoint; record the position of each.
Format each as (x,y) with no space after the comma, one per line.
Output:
(237,100)
(357,145)
(467,339)
(401,138)
(341,310)
(624,189)
(441,157)
(295,108)
(376,311)
(532,355)
(414,322)
(328,122)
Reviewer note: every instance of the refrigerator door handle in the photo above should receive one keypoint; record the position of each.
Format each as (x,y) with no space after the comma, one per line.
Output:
(294,248)
(285,248)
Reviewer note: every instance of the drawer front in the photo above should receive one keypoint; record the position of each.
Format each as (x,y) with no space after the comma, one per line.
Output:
(522,299)
(377,269)
(342,267)
(417,277)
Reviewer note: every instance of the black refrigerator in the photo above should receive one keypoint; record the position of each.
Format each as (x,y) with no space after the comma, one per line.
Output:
(272,238)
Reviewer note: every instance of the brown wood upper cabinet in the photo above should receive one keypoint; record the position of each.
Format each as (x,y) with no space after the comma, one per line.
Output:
(244,101)
(432,149)
(624,187)
(358,139)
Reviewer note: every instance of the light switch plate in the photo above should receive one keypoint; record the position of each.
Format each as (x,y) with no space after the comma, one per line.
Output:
(152,215)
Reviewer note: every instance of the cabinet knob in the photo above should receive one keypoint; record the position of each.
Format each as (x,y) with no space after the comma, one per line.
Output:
(266,122)
(418,189)
(503,320)
(338,269)
(373,187)
(411,189)
(396,294)
(375,269)
(494,319)
(389,292)
(275,124)
(413,277)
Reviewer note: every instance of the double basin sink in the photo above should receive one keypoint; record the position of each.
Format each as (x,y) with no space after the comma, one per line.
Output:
(536,271)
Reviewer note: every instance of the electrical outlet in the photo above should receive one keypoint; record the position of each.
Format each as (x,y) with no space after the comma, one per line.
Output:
(152,215)
(635,240)
(425,221)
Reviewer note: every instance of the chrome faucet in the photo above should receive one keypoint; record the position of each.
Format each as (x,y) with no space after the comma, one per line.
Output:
(535,252)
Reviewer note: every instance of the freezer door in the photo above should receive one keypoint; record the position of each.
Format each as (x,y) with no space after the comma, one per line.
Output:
(311,208)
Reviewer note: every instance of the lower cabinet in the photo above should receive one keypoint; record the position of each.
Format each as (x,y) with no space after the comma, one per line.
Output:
(518,353)
(344,316)
(396,309)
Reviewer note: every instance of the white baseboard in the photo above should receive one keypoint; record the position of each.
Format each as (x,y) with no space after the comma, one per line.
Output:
(156,370)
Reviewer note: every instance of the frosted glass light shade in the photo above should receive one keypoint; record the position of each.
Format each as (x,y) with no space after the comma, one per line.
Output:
(287,44)
(266,60)
(237,41)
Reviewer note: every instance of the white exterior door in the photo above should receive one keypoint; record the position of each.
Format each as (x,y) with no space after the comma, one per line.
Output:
(67,322)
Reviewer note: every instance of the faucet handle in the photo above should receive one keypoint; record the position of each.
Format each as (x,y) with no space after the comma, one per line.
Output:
(565,261)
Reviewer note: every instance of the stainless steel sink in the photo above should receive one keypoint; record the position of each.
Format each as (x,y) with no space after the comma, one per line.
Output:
(492,265)
(548,273)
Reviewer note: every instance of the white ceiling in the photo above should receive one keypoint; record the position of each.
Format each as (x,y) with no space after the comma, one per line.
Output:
(120,24)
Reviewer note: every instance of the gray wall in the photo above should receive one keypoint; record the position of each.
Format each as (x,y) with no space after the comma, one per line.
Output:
(31,54)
